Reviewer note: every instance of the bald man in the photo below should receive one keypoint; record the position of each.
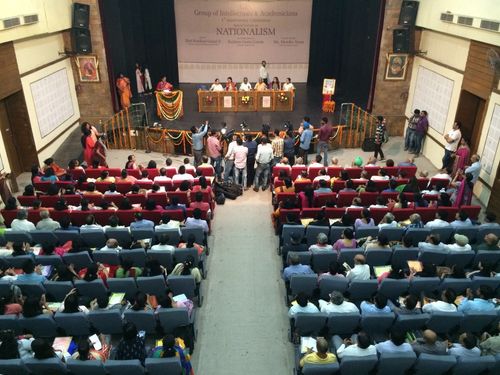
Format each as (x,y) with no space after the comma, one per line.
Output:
(490,242)
(429,344)
(474,168)
(361,271)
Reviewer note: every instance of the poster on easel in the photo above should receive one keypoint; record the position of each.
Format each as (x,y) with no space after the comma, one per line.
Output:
(328,86)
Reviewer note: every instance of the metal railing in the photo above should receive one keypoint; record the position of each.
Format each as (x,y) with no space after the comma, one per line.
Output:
(359,124)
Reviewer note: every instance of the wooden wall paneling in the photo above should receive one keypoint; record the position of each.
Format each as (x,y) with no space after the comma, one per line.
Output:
(9,72)
(478,76)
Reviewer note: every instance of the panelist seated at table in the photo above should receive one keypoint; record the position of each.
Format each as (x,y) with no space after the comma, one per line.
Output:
(163,85)
(245,85)
(275,84)
(288,85)
(260,86)
(216,86)
(230,85)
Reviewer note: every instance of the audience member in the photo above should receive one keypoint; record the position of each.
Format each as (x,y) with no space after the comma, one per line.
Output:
(132,344)
(321,244)
(378,305)
(302,305)
(361,271)
(466,346)
(357,346)
(320,356)
(337,304)
(429,344)
(396,343)
(296,268)
(478,301)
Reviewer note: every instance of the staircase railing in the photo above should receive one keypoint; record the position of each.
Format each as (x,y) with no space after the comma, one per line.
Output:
(358,125)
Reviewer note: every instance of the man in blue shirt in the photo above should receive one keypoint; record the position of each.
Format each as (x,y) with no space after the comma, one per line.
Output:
(305,139)
(31,273)
(481,302)
(197,135)
(474,168)
(141,223)
(295,268)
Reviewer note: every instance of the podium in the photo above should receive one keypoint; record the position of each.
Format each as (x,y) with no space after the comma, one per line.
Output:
(245,101)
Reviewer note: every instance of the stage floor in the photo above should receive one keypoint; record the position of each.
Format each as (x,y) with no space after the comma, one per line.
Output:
(308,102)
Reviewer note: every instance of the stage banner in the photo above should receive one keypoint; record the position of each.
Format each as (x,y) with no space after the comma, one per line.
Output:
(243,31)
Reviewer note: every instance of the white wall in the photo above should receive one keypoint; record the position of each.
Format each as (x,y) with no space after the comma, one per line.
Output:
(447,49)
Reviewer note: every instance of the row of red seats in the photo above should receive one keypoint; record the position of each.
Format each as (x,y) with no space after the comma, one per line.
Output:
(353,172)
(401,214)
(102,216)
(152,172)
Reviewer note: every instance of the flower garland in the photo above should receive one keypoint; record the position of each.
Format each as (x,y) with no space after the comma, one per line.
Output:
(245,99)
(170,105)
(282,97)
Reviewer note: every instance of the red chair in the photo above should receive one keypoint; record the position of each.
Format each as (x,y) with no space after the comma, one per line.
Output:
(166,184)
(58,215)
(333,171)
(452,212)
(381,184)
(177,184)
(355,213)
(78,217)
(472,211)
(284,213)
(204,214)
(353,172)
(297,170)
(431,197)
(49,200)
(345,198)
(126,216)
(378,213)
(95,172)
(171,171)
(8,216)
(300,185)
(42,185)
(175,214)
(152,172)
(276,171)
(334,212)
(443,182)
(371,170)
(123,187)
(95,199)
(191,171)
(76,173)
(160,198)
(324,199)
(114,198)
(410,171)
(207,171)
(115,172)
(181,195)
(310,213)
(338,185)
(278,183)
(34,216)
(283,197)
(102,186)
(392,171)
(426,213)
(422,183)
(26,200)
(154,215)
(136,198)
(134,173)
(144,184)
(410,197)
(358,182)
(313,172)
(367,198)
(402,213)
(102,216)
(402,181)
(390,195)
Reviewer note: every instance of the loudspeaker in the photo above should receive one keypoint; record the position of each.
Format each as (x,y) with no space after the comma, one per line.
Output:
(408,13)
(401,40)
(81,40)
(81,14)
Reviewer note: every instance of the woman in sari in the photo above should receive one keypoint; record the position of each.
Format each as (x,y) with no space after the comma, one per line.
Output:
(88,146)
(464,191)
(123,85)
(462,156)
(174,347)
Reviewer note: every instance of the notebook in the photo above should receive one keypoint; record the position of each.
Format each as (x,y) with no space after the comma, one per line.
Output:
(379,270)
(416,265)
(307,343)
(54,306)
(179,298)
(116,299)
(62,344)
(94,340)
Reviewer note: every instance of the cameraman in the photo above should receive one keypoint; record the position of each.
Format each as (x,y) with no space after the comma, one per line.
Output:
(197,135)
(214,150)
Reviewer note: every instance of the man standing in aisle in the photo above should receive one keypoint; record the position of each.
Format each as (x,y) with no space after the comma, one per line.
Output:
(263,72)
(240,163)
(263,159)
(251,145)
(410,131)
(305,139)
(420,132)
(325,132)
(197,135)
(214,151)
(379,138)
(278,146)
(229,160)
(452,139)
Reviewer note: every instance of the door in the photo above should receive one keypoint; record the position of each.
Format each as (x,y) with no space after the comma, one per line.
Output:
(470,112)
(494,202)
(8,139)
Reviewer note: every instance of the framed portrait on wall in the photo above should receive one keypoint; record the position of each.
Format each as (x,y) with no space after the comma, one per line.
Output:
(88,68)
(396,66)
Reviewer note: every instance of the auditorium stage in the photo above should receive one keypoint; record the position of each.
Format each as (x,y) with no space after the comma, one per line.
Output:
(308,101)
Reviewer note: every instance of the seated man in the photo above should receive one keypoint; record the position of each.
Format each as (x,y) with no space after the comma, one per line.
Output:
(31,273)
(302,305)
(21,222)
(46,223)
(490,242)
(90,224)
(396,343)
(182,175)
(478,301)
(321,356)
(446,304)
(461,220)
(322,244)
(381,176)
(444,175)
(440,221)
(163,244)
(429,344)
(321,221)
(196,221)
(111,245)
(316,163)
(357,346)
(296,268)
(245,85)
(461,244)
(322,176)
(141,223)
(408,307)
(187,164)
(162,177)
(323,188)
(409,162)
(490,220)
(432,242)
(361,271)
(466,346)
(337,304)
(377,306)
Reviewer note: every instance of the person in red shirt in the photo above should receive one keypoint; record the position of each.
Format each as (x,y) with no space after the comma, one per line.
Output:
(163,85)
(325,132)
(198,202)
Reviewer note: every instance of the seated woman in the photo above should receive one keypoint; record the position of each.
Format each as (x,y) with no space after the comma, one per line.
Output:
(128,270)
(381,242)
(345,221)
(188,268)
(132,345)
(85,352)
(145,176)
(166,301)
(347,241)
(191,243)
(141,302)
(321,244)
(105,177)
(400,202)
(10,305)
(93,272)
(70,304)
(230,85)
(306,197)
(366,220)
(334,270)
(287,187)
(49,175)
(377,305)
(203,186)
(64,272)
(29,191)
(35,306)
(12,348)
(174,347)
(154,268)
(50,163)
(299,162)
(275,84)
(43,350)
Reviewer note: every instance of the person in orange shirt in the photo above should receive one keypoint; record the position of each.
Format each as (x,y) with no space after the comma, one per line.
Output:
(123,85)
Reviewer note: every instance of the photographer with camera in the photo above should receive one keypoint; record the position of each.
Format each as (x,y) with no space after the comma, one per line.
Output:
(214,150)
(197,135)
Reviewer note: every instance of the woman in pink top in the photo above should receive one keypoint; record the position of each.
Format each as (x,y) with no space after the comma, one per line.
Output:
(347,241)
(9,305)
(306,197)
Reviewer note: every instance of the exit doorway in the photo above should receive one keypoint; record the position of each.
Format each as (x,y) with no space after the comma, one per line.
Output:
(471,112)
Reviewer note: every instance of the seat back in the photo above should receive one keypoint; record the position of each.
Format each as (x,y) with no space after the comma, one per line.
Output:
(180,255)
(152,285)
(92,289)
(182,285)
(344,199)
(400,257)
(93,237)
(473,365)
(164,366)
(57,290)
(323,369)
(321,260)
(79,260)
(78,367)
(342,323)
(424,284)
(324,199)
(198,233)
(48,260)
(303,283)
(360,290)
(377,324)
(124,367)
(164,257)
(304,256)
(365,232)
(13,367)
(125,285)
(486,256)
(18,261)
(73,324)
(347,255)
(418,234)
(411,322)
(122,235)
(437,257)
(328,284)
(378,257)
(444,322)
(396,363)
(470,232)
(458,285)
(17,236)
(492,282)
(52,366)
(31,289)
(137,256)
(170,319)
(40,326)
(172,233)
(392,288)
(10,322)
(358,365)
(336,233)
(477,321)
(434,364)
(462,259)
(143,320)
(109,257)
(43,237)
(443,232)
(309,324)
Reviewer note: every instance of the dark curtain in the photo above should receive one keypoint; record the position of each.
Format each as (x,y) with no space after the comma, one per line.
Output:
(344,46)
(140,31)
